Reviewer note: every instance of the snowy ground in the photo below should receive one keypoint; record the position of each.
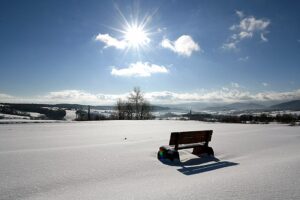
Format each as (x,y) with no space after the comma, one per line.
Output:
(8,117)
(92,160)
(28,121)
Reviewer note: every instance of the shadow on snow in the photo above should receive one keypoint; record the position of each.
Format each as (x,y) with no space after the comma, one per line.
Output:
(199,165)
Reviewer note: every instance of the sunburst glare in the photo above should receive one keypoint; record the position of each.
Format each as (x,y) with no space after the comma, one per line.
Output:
(136,31)
(136,36)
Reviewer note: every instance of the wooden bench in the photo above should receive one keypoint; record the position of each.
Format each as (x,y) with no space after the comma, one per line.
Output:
(198,140)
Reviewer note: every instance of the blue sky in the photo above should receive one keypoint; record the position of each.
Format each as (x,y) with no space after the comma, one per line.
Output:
(180,51)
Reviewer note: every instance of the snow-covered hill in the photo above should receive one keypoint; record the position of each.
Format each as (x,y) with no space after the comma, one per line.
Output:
(93,160)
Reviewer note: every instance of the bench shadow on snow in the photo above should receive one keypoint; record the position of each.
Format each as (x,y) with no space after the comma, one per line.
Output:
(199,165)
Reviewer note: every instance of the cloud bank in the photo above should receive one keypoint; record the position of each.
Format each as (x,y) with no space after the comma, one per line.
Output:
(223,95)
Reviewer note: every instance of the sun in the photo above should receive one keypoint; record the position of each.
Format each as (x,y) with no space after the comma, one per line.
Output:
(135,33)
(136,36)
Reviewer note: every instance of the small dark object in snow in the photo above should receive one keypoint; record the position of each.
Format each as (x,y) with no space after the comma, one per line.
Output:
(125,138)
(167,153)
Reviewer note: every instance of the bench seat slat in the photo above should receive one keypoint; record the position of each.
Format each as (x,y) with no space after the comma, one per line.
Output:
(190,137)
(195,139)
(184,146)
(188,146)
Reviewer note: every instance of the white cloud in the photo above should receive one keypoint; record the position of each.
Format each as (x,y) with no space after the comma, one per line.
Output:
(139,69)
(79,96)
(239,13)
(66,96)
(244,35)
(223,95)
(244,59)
(4,97)
(235,85)
(278,96)
(251,24)
(265,84)
(159,30)
(73,95)
(246,29)
(263,38)
(184,45)
(230,45)
(111,41)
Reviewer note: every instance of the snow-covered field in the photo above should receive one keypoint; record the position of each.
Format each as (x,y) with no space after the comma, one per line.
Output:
(93,160)
(8,117)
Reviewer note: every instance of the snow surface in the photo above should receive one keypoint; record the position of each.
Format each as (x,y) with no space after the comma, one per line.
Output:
(28,121)
(93,160)
(35,114)
(8,116)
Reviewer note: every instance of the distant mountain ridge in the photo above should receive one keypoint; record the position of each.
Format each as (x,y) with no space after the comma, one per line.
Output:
(290,105)
(237,106)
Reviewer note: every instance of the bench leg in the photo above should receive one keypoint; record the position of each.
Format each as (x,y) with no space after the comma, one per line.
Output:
(210,151)
(175,156)
(198,151)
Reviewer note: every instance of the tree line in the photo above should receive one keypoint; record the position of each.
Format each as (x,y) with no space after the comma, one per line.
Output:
(246,118)
(135,107)
(22,109)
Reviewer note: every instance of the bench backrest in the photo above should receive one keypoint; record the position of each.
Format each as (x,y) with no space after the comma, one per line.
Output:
(190,137)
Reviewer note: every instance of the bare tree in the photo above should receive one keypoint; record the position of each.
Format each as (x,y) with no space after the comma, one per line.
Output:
(136,107)
(129,110)
(136,98)
(120,109)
